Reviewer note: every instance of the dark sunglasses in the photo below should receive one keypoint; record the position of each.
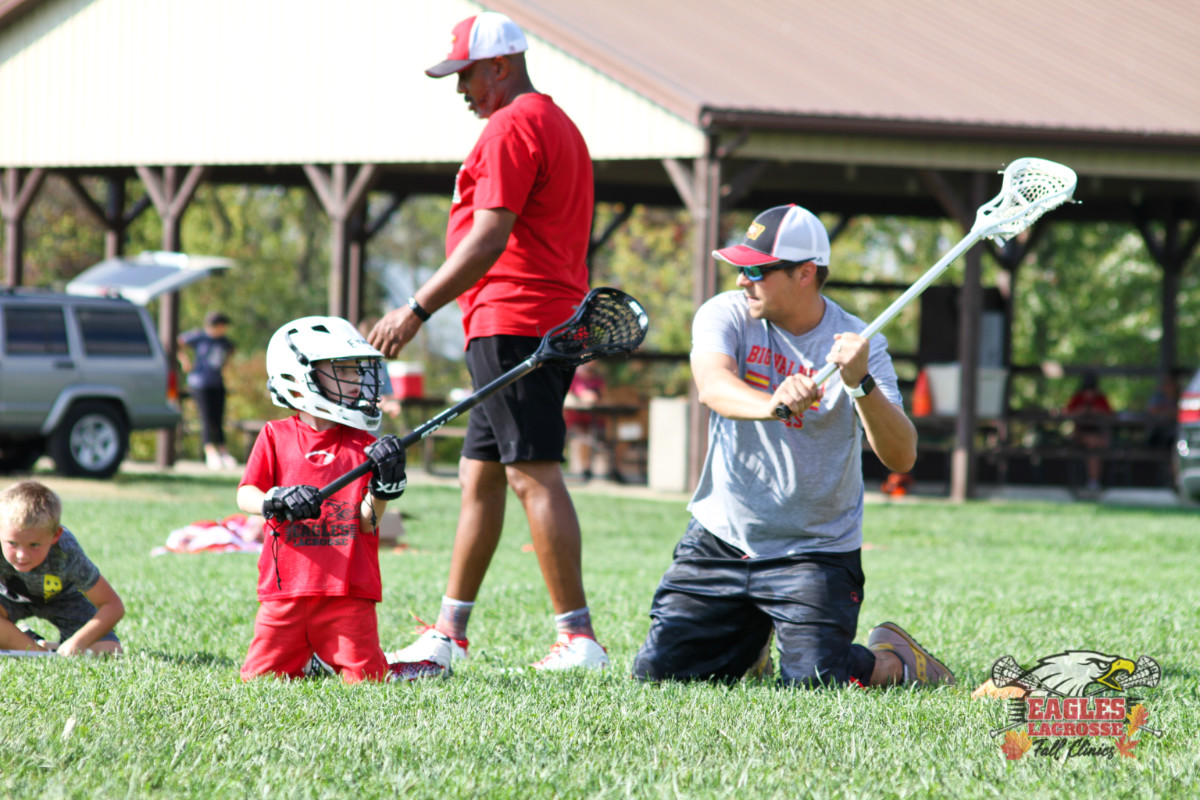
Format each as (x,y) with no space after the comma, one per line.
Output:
(756,273)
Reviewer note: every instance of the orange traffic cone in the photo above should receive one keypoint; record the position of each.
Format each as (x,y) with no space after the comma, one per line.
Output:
(922,397)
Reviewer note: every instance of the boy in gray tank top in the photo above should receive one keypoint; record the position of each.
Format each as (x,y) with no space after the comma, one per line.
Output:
(776,529)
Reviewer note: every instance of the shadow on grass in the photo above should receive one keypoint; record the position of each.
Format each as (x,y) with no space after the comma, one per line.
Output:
(193,659)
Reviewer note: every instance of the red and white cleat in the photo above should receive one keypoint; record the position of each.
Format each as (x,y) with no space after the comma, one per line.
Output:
(573,650)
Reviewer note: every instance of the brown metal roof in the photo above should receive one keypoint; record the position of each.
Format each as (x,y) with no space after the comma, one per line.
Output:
(1098,66)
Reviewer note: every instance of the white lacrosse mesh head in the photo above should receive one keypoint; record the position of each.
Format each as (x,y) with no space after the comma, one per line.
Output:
(1032,186)
(303,348)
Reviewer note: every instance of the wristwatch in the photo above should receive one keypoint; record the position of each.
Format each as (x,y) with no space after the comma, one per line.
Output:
(421,313)
(863,389)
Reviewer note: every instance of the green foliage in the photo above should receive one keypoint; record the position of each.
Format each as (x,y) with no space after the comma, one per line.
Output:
(896,250)
(972,582)
(1088,294)
(279,241)
(1091,295)
(650,257)
(414,240)
(61,238)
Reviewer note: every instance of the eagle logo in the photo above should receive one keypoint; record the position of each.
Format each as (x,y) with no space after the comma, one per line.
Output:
(1076,673)
(1067,682)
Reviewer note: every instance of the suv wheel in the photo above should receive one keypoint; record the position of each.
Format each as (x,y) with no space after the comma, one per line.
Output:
(91,441)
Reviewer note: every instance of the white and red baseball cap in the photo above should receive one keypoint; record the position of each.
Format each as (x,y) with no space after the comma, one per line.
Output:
(485,35)
(782,233)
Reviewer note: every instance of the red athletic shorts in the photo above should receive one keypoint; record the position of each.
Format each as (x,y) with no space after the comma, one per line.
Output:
(341,630)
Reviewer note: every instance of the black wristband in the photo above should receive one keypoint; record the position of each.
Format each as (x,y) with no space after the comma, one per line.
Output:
(421,313)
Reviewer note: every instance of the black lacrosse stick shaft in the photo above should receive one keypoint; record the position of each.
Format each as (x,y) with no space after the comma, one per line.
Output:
(425,428)
(608,311)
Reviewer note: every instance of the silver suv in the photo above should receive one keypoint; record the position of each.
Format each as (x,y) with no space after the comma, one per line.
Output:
(77,374)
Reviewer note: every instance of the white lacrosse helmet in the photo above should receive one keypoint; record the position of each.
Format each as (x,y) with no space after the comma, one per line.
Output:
(292,356)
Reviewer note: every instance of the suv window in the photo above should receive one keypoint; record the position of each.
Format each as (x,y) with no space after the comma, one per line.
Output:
(35,331)
(112,332)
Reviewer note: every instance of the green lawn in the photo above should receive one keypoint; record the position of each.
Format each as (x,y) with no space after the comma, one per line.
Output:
(170,718)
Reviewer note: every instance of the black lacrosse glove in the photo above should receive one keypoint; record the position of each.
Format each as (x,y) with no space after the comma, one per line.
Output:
(388,461)
(292,503)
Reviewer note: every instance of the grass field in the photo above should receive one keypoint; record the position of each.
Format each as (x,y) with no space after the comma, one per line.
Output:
(170,719)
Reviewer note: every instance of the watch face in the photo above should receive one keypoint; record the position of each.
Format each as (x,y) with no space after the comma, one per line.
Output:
(864,388)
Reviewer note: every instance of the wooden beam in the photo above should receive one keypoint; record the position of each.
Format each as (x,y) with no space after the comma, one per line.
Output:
(949,200)
(684,181)
(1172,252)
(843,222)
(318,178)
(341,197)
(16,196)
(706,232)
(374,226)
(81,194)
(740,185)
(171,198)
(962,460)
(612,227)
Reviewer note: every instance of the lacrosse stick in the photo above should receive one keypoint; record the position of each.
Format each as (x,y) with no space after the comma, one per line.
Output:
(26,653)
(1031,187)
(607,322)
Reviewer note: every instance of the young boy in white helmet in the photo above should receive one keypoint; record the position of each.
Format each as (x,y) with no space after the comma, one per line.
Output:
(318,575)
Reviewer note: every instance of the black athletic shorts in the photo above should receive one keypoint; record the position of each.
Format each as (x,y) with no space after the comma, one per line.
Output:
(714,611)
(524,420)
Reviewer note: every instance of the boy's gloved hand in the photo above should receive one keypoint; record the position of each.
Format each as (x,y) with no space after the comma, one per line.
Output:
(292,503)
(388,461)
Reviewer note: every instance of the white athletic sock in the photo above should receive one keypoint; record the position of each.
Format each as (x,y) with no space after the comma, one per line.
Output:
(575,622)
(452,619)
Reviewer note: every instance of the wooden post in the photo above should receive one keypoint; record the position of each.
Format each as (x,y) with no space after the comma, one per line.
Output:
(16,196)
(341,198)
(171,198)
(700,190)
(962,461)
(1172,252)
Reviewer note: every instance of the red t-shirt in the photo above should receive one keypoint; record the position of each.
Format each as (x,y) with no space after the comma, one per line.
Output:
(1088,402)
(531,160)
(329,556)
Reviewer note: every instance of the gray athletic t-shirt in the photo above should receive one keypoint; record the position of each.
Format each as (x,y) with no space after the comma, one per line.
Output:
(774,488)
(67,571)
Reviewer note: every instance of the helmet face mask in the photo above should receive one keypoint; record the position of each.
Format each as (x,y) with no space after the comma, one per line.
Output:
(352,383)
(323,367)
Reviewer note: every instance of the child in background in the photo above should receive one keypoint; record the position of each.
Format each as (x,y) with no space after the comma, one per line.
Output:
(46,574)
(319,577)
(206,382)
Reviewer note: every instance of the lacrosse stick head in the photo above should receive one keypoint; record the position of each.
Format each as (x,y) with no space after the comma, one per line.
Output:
(607,322)
(1007,672)
(1145,673)
(1032,186)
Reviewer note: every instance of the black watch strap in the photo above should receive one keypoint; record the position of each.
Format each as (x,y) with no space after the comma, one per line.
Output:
(864,388)
(421,313)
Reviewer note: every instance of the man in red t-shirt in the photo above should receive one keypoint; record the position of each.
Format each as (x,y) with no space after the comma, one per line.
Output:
(516,250)
(1090,401)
